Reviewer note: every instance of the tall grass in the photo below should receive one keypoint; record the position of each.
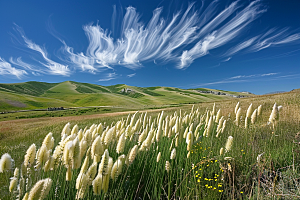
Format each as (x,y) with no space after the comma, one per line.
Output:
(217,157)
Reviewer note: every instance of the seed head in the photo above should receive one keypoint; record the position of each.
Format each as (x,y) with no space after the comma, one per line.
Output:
(6,163)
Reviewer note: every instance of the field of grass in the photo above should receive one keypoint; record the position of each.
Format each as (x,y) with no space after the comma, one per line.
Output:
(261,162)
(37,95)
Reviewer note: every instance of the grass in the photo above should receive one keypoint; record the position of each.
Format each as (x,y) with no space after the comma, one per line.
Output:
(205,174)
(37,95)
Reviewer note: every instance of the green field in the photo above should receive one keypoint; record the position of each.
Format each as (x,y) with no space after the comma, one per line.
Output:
(38,95)
(197,171)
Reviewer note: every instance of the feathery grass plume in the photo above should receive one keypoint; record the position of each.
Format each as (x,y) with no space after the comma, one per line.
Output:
(254,116)
(25,196)
(229,143)
(238,116)
(91,173)
(49,164)
(246,122)
(185,132)
(137,126)
(13,184)
(46,188)
(249,111)
(30,156)
(97,149)
(76,157)
(110,135)
(214,109)
(80,135)
(116,169)
(49,141)
(36,192)
(103,166)
(189,141)
(173,154)
(224,126)
(93,127)
(6,163)
(188,154)
(85,165)
(133,119)
(143,135)
(42,155)
(16,172)
(147,142)
(105,184)
(210,126)
(66,130)
(94,134)
(75,130)
(218,116)
(167,166)
(97,184)
(237,107)
(121,144)
(159,133)
(274,114)
(219,127)
(221,151)
(81,180)
(100,128)
(83,147)
(88,137)
(259,109)
(196,132)
(67,154)
(133,154)
(158,157)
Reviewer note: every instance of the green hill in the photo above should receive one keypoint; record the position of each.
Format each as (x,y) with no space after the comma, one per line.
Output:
(36,95)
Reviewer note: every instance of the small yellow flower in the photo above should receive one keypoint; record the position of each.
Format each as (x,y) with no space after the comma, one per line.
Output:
(216,160)
(242,150)
(206,179)
(242,192)
(206,185)
(220,190)
(198,180)
(215,188)
(209,187)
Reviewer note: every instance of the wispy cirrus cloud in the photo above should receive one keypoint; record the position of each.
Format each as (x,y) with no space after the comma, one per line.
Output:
(53,67)
(7,69)
(188,35)
(108,76)
(271,38)
(243,78)
(131,75)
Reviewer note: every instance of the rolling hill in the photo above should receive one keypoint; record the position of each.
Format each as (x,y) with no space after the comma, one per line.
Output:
(37,95)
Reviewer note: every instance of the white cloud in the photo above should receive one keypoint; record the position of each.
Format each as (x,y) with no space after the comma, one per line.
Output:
(54,68)
(7,69)
(109,76)
(131,75)
(185,37)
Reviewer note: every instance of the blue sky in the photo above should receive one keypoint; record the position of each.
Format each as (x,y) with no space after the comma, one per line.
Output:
(230,45)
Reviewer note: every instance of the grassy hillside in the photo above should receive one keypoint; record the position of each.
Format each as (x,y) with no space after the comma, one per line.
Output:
(261,162)
(37,95)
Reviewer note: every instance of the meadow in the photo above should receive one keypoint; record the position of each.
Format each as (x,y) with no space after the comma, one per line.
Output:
(232,149)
